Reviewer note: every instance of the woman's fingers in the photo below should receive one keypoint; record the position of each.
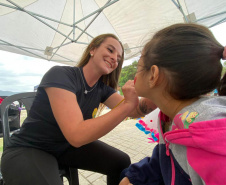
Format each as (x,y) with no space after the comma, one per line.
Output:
(130,93)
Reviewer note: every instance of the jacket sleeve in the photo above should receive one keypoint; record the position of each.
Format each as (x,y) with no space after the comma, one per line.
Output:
(147,171)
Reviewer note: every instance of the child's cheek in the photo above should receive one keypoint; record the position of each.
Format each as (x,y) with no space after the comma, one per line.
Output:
(135,79)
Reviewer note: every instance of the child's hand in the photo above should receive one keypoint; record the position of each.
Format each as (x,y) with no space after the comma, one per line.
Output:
(125,181)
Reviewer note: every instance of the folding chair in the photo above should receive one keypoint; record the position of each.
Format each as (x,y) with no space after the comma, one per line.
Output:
(26,99)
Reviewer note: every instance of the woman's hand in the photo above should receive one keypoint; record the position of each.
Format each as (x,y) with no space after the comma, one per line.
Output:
(146,106)
(125,181)
(130,93)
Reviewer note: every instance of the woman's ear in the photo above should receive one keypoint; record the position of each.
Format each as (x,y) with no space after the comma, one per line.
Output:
(92,51)
(153,76)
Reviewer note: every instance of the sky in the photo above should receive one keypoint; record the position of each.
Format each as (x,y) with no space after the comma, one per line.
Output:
(20,73)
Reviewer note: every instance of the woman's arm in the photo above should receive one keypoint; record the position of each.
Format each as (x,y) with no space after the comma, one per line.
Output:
(69,117)
(144,107)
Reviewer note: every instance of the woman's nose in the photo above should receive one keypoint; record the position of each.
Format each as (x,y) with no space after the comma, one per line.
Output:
(114,57)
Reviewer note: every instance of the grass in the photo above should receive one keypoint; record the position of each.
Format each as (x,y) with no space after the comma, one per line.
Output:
(23,115)
(1,144)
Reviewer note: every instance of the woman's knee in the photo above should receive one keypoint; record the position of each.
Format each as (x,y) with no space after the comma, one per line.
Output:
(126,161)
(122,161)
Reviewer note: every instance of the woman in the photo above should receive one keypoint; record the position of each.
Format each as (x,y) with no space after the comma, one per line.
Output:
(178,67)
(59,128)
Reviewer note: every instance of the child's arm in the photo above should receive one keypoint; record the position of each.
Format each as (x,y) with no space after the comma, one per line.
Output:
(145,172)
(125,181)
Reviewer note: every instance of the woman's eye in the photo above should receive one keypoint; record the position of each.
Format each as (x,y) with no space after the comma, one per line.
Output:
(109,49)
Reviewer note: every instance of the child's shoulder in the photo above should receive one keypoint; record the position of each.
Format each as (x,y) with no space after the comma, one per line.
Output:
(206,108)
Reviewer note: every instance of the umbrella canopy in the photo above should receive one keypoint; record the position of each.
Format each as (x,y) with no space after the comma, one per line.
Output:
(60,30)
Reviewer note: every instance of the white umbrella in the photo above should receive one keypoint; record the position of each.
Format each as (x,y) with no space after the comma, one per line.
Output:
(59,30)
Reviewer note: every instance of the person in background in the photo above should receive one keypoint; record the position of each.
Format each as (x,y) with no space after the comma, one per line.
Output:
(62,127)
(177,67)
(222,86)
(215,92)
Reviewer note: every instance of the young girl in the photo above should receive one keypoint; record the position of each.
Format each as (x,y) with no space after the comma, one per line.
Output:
(178,66)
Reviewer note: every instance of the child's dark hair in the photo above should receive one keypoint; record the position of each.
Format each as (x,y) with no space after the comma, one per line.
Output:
(190,55)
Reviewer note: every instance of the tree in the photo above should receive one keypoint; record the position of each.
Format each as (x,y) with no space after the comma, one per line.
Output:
(128,73)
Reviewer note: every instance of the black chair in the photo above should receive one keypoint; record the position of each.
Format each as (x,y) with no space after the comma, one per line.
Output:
(26,99)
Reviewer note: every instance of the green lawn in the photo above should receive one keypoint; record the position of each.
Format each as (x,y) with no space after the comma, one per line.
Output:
(1,145)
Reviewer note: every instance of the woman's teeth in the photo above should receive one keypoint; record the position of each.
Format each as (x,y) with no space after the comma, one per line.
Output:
(108,63)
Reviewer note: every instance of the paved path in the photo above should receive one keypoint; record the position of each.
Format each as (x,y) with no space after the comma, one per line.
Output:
(126,137)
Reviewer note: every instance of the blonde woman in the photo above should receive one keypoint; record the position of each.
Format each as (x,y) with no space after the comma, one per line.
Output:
(61,127)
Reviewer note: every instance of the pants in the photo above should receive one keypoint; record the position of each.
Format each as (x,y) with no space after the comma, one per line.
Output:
(30,166)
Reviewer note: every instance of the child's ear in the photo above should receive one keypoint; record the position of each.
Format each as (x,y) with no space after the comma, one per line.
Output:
(153,76)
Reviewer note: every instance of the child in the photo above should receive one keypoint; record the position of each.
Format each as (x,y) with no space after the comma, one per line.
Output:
(178,66)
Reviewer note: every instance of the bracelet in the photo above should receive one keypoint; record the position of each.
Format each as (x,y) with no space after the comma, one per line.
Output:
(119,103)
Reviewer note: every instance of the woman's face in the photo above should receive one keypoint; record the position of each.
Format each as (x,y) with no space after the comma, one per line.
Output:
(107,55)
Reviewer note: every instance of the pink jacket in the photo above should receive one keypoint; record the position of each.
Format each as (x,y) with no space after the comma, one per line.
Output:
(206,148)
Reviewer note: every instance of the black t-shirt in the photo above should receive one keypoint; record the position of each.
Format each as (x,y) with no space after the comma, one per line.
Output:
(40,129)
